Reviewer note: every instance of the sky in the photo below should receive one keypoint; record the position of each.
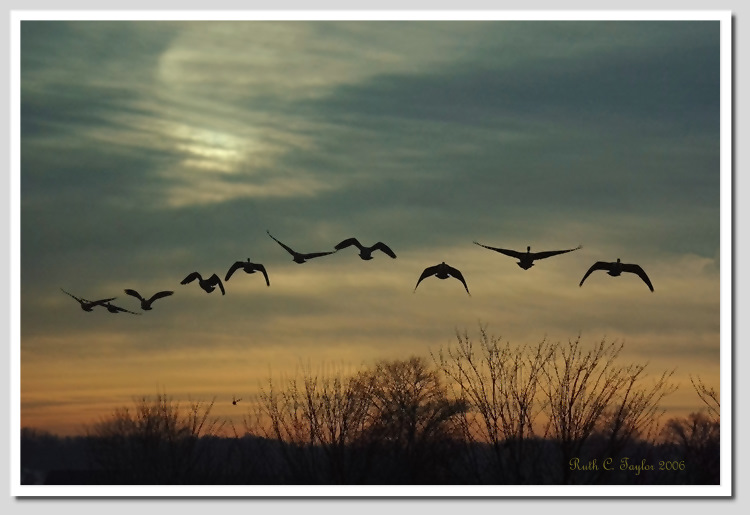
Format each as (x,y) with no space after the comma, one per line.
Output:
(153,149)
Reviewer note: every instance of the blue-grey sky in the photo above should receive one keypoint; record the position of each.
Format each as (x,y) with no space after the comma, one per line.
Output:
(150,150)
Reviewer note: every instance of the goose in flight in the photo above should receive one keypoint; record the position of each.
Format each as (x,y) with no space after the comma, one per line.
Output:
(442,271)
(207,284)
(526,259)
(146,303)
(366,252)
(616,268)
(117,309)
(249,268)
(298,257)
(88,305)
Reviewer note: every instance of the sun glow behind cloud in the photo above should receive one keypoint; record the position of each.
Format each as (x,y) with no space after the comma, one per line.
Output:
(210,150)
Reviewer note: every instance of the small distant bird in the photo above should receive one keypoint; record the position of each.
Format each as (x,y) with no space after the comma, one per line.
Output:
(616,268)
(366,252)
(88,305)
(146,303)
(235,401)
(442,271)
(298,257)
(526,259)
(249,268)
(207,284)
(117,309)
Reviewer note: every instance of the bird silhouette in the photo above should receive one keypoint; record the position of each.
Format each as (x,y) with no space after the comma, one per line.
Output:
(235,401)
(526,259)
(146,303)
(249,268)
(117,309)
(442,271)
(616,268)
(365,252)
(298,257)
(88,305)
(207,284)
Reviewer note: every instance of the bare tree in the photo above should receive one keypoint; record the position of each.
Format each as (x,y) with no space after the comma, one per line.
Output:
(635,411)
(394,417)
(283,416)
(709,396)
(501,384)
(157,443)
(589,391)
(315,422)
(412,418)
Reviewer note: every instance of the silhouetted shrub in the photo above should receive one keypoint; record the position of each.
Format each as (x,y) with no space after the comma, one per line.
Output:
(157,443)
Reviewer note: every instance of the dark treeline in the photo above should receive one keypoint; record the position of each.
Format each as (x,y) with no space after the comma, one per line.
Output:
(483,412)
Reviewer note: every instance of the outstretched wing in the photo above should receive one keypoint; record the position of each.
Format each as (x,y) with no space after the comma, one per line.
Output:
(159,295)
(347,243)
(292,252)
(549,253)
(134,293)
(457,274)
(233,269)
(599,265)
(190,278)
(79,300)
(385,248)
(261,268)
(430,270)
(214,279)
(636,269)
(315,254)
(511,253)
(117,309)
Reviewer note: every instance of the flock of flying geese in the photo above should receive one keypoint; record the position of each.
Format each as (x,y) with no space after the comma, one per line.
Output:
(441,271)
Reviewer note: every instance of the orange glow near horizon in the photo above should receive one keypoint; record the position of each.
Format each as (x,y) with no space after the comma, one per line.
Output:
(65,396)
